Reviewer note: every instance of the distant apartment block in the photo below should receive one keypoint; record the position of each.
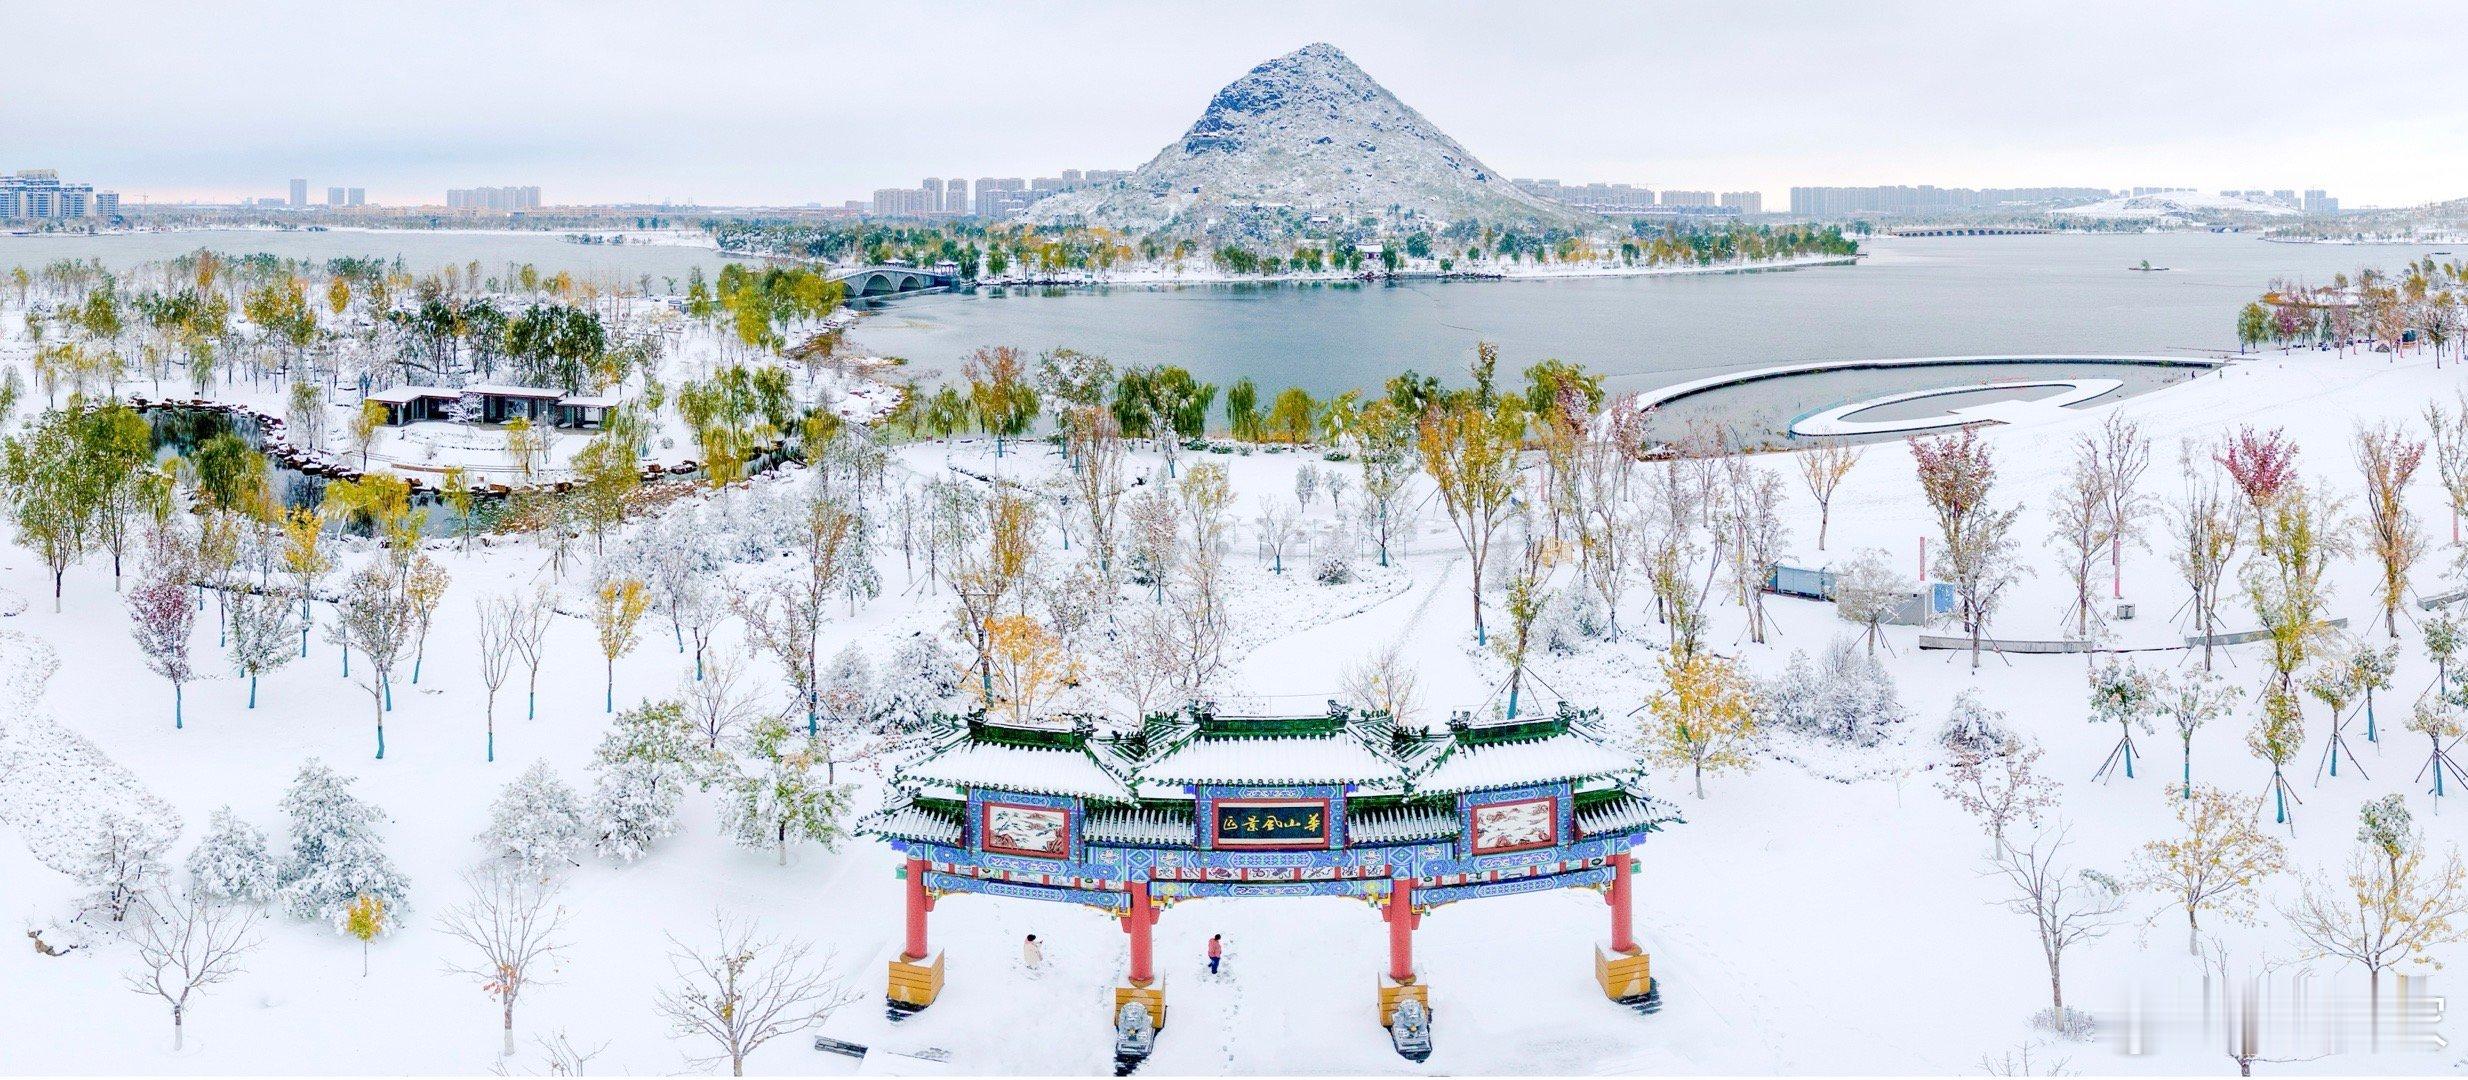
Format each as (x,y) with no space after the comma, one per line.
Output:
(992,196)
(38,195)
(1842,202)
(906,202)
(334,197)
(2318,201)
(355,196)
(493,198)
(1746,202)
(1686,198)
(299,194)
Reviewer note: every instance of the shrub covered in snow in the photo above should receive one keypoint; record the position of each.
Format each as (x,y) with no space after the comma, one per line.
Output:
(122,859)
(1972,730)
(1334,570)
(917,683)
(1570,618)
(1845,697)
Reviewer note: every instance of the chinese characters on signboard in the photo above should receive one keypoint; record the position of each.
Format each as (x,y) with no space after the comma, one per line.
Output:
(1270,823)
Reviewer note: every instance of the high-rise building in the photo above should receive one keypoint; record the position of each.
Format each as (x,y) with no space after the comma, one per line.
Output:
(1686,198)
(355,196)
(931,194)
(299,194)
(38,195)
(955,196)
(2318,201)
(334,196)
(906,202)
(493,198)
(1746,202)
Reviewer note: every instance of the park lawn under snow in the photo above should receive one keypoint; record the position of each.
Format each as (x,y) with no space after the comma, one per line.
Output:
(1797,923)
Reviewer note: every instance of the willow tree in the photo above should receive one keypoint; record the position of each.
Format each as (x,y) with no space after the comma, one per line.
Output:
(999,393)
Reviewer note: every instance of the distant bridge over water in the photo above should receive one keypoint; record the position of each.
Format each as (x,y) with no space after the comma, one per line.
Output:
(866,282)
(1967,230)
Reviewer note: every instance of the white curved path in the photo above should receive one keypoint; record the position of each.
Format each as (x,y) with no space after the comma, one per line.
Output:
(1837,420)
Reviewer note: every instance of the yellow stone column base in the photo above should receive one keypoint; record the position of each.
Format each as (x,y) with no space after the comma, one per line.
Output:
(1151,995)
(914,984)
(1392,992)
(1623,975)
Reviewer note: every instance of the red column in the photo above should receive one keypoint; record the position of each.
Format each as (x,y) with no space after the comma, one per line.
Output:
(1401,920)
(1137,922)
(1623,938)
(917,905)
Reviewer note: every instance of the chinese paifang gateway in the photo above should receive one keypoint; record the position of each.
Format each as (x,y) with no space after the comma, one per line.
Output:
(1341,804)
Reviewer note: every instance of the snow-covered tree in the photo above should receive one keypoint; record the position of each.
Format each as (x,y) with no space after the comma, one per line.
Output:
(777,799)
(537,821)
(2393,906)
(1705,719)
(336,855)
(231,862)
(375,618)
(2126,696)
(121,858)
(262,628)
(2215,864)
(2193,699)
(529,636)
(1992,773)
(847,708)
(1866,592)
(161,618)
(746,990)
(2067,907)
(641,770)
(186,943)
(917,684)
(513,922)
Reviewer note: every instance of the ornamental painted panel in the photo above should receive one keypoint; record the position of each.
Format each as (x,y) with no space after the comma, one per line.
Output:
(1042,832)
(1515,825)
(1269,824)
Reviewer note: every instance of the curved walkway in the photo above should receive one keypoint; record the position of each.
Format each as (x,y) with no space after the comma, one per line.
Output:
(1693,387)
(1837,420)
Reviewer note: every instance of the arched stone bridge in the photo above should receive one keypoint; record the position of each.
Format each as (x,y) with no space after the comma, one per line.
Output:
(877,281)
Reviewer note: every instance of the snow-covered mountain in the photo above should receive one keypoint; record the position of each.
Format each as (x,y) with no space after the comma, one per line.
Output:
(2177,204)
(1311,133)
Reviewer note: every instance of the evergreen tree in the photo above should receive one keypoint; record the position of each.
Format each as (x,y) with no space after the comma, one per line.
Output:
(336,856)
(231,864)
(537,821)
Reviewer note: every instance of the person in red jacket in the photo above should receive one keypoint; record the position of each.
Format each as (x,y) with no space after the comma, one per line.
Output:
(1216,951)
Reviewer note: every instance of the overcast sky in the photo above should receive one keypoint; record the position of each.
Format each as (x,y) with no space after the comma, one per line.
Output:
(787,103)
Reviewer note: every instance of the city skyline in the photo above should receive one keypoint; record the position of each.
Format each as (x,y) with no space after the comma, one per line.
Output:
(195,106)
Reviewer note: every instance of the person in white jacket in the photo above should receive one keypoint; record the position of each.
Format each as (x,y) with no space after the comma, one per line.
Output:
(1032,954)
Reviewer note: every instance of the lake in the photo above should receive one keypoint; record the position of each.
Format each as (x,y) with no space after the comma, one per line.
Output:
(2053,295)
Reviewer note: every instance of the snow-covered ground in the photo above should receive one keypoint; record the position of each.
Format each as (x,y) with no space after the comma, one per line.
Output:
(1798,922)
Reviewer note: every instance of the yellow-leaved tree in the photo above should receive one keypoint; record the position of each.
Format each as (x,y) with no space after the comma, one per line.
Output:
(365,919)
(1706,717)
(2215,863)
